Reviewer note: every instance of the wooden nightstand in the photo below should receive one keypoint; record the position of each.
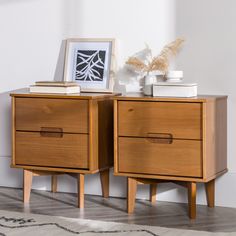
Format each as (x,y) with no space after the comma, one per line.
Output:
(57,134)
(180,140)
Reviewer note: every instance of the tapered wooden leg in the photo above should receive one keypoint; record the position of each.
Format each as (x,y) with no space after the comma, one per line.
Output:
(192,199)
(28,176)
(104,177)
(131,191)
(153,192)
(210,193)
(80,182)
(54,183)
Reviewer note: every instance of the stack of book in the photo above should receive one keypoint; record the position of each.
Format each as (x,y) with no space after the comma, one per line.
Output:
(55,87)
(167,89)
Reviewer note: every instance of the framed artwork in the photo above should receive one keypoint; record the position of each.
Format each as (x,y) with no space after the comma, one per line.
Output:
(89,62)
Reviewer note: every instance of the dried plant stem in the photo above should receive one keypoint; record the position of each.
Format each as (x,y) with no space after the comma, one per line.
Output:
(160,62)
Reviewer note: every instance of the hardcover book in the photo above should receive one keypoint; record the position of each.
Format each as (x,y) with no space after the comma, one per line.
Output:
(54,89)
(165,89)
(56,83)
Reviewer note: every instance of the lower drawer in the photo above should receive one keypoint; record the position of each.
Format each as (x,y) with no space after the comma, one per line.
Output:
(54,150)
(141,155)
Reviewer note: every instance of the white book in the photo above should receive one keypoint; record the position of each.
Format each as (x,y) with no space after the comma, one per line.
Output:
(165,89)
(54,89)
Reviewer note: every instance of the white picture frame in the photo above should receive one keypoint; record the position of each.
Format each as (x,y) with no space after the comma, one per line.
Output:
(90,63)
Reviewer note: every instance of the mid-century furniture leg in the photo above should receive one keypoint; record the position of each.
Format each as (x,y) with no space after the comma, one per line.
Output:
(104,177)
(54,183)
(153,192)
(28,176)
(132,187)
(80,183)
(210,193)
(192,199)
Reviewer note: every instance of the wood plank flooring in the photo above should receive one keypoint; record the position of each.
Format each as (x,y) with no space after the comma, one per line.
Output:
(218,219)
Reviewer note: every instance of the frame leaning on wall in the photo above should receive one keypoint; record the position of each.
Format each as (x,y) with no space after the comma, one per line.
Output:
(90,63)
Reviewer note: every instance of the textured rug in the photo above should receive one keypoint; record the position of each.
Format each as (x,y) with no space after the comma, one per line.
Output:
(14,223)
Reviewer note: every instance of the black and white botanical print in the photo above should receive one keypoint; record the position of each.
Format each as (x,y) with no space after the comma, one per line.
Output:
(90,65)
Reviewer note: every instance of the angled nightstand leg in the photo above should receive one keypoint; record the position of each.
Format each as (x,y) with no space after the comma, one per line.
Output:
(153,192)
(104,177)
(210,193)
(192,199)
(80,183)
(54,183)
(131,192)
(28,176)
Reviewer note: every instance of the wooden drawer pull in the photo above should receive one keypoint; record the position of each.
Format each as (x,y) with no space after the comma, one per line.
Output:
(51,132)
(160,138)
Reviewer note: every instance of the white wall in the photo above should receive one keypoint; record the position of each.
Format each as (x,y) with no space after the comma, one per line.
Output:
(208,58)
(31,34)
(209,54)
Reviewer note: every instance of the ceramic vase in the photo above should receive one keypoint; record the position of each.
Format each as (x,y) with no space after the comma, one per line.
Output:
(149,80)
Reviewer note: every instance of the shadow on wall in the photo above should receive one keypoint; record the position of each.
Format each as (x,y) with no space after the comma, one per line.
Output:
(59,72)
(8,177)
(5,124)
(210,38)
(127,81)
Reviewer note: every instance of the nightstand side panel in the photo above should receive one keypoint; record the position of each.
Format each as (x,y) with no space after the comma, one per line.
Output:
(215,140)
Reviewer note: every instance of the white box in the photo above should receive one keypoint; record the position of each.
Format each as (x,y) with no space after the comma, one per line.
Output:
(166,89)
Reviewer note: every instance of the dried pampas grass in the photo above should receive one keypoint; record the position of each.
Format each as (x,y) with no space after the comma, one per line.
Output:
(160,62)
(137,64)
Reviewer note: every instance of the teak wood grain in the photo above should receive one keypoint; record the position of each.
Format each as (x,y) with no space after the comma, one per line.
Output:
(24,92)
(104,176)
(181,120)
(213,116)
(215,137)
(153,192)
(93,135)
(192,191)
(183,140)
(55,134)
(105,139)
(27,183)
(68,151)
(180,158)
(131,194)
(33,114)
(54,183)
(210,193)
(171,177)
(80,185)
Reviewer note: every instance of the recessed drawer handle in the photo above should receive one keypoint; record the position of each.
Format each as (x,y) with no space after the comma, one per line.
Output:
(160,138)
(51,132)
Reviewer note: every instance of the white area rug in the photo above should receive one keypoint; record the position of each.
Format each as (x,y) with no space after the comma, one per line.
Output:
(13,224)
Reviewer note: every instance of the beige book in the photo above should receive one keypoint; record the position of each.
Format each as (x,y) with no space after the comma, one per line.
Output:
(56,83)
(55,89)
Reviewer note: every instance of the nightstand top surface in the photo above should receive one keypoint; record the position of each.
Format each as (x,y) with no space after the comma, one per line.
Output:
(25,93)
(142,97)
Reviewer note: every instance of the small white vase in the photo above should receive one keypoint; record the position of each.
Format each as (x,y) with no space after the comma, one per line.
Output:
(149,80)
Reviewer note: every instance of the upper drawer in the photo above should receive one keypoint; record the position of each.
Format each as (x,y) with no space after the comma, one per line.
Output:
(33,114)
(141,119)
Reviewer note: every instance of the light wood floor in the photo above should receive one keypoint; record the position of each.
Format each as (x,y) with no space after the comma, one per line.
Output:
(113,209)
